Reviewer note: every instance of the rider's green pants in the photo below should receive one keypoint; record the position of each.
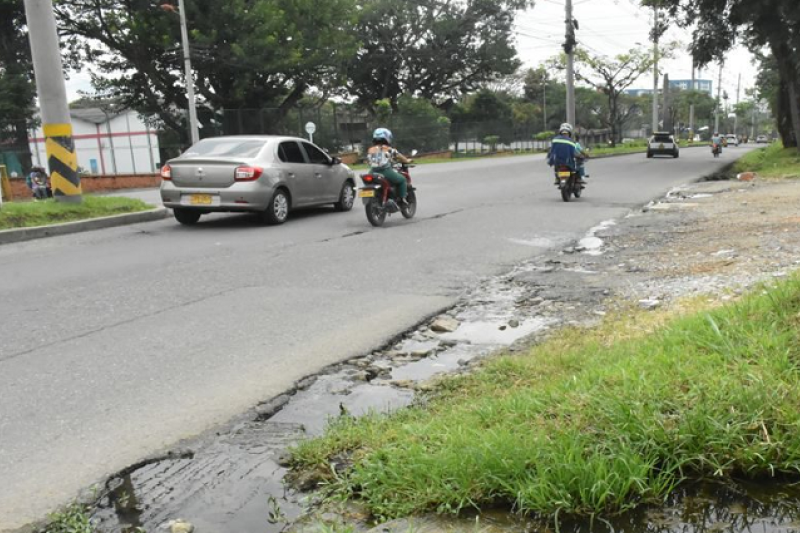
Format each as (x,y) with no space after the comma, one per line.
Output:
(395,178)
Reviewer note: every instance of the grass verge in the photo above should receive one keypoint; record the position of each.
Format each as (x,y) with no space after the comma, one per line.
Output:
(49,212)
(774,161)
(592,421)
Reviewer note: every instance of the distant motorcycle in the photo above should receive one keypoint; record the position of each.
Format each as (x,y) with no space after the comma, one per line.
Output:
(569,182)
(716,149)
(380,199)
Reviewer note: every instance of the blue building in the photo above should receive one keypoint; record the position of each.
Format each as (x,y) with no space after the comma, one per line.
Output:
(705,86)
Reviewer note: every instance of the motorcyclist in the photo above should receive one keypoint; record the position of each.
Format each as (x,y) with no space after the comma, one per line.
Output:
(381,156)
(716,141)
(563,150)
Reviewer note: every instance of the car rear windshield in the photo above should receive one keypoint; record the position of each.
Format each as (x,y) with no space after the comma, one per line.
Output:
(221,147)
(662,139)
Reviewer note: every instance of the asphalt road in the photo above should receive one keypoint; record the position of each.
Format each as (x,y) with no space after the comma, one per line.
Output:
(118,343)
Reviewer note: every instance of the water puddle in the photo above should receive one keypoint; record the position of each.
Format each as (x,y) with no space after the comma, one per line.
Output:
(707,508)
(232,481)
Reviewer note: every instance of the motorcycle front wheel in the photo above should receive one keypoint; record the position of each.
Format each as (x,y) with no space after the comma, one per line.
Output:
(411,210)
(375,213)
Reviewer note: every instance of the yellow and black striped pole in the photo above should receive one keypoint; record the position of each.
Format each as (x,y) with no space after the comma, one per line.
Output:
(63,161)
(59,144)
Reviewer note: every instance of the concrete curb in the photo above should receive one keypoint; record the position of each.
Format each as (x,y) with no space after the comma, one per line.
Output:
(26,234)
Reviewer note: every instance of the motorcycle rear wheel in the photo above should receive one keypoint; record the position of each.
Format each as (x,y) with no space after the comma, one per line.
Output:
(375,213)
(566,192)
(411,210)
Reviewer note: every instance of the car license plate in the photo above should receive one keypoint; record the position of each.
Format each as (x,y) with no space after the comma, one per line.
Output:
(660,146)
(563,174)
(200,199)
(366,193)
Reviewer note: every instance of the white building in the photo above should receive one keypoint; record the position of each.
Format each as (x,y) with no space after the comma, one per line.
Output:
(107,142)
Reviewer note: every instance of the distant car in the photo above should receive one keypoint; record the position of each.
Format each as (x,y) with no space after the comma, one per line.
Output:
(263,174)
(732,139)
(662,143)
(762,139)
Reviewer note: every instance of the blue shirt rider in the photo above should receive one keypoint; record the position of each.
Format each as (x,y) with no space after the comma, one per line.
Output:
(563,149)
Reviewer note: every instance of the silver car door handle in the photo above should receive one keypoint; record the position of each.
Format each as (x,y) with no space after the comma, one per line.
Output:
(291,174)
(318,175)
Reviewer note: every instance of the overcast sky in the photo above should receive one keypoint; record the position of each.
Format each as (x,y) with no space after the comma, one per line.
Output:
(607,27)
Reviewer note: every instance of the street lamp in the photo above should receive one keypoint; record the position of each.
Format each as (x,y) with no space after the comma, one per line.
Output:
(194,132)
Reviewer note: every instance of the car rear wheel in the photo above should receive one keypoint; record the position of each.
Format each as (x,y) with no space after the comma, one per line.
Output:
(346,197)
(649,155)
(187,217)
(278,209)
(675,155)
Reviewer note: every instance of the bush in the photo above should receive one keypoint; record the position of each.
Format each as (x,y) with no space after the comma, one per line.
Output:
(544,136)
(492,141)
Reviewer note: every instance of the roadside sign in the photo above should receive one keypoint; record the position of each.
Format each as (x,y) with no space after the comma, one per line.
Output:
(311,128)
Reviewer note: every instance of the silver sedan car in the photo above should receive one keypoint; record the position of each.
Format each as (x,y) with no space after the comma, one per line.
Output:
(264,174)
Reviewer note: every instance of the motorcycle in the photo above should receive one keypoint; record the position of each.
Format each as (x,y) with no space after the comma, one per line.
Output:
(380,199)
(716,149)
(569,182)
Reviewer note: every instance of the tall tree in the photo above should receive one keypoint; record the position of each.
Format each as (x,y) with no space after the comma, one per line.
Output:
(433,49)
(774,24)
(246,54)
(611,76)
(17,89)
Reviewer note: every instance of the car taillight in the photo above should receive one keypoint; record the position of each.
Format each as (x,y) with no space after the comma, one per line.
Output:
(247,173)
(166,172)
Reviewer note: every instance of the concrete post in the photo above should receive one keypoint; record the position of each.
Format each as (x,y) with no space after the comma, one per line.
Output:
(56,124)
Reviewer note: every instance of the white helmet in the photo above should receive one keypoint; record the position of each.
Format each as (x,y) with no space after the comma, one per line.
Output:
(565,128)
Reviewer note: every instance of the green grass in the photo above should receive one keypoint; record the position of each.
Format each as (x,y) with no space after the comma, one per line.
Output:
(591,421)
(48,212)
(774,161)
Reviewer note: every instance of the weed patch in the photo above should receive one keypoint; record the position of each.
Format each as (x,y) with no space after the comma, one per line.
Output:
(591,421)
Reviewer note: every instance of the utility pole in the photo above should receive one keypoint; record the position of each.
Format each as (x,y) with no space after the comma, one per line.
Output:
(719,93)
(56,124)
(194,132)
(753,124)
(656,35)
(691,105)
(666,115)
(735,114)
(544,99)
(569,48)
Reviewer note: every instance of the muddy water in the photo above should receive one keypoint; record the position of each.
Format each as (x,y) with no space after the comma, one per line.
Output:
(704,508)
(233,481)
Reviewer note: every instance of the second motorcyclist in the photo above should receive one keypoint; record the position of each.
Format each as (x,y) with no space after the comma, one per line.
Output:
(380,158)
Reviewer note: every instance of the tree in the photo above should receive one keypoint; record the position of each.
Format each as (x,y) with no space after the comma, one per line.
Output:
(17,88)
(436,50)
(774,24)
(611,76)
(246,54)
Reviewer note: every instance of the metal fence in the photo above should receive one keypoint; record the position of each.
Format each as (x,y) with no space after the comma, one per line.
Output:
(106,149)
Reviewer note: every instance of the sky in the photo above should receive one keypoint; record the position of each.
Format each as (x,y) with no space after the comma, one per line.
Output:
(607,27)
(610,27)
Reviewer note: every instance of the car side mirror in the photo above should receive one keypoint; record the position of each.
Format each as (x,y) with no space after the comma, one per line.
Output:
(336,161)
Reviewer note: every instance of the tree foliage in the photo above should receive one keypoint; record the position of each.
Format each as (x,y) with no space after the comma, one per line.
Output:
(17,89)
(774,24)
(436,50)
(245,53)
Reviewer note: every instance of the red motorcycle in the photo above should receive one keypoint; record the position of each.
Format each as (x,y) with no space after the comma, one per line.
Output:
(380,199)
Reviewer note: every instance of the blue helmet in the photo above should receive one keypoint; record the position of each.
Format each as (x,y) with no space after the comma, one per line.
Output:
(382,134)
